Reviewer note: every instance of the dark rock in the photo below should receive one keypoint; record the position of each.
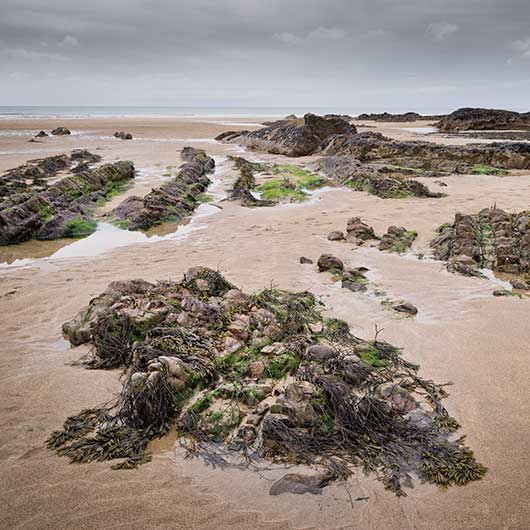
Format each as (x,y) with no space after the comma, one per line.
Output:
(173,200)
(320,352)
(467,119)
(305,261)
(358,230)
(387,117)
(122,135)
(405,307)
(397,239)
(41,134)
(328,262)
(336,235)
(289,138)
(61,131)
(521,285)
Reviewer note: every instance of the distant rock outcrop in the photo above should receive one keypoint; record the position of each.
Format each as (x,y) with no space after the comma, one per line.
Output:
(291,139)
(61,131)
(470,119)
(173,200)
(405,117)
(122,135)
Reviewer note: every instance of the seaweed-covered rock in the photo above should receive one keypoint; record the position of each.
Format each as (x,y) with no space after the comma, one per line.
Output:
(492,239)
(173,200)
(358,231)
(361,177)
(397,239)
(246,183)
(328,262)
(428,156)
(61,131)
(476,119)
(317,396)
(41,134)
(289,138)
(63,208)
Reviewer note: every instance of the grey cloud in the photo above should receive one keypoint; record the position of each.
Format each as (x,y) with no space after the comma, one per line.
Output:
(378,54)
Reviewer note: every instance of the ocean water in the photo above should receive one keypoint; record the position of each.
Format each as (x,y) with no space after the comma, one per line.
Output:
(21,112)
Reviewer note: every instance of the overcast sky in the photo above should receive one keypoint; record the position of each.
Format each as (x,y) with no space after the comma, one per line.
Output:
(377,54)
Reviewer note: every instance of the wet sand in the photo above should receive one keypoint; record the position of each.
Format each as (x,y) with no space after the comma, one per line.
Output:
(462,334)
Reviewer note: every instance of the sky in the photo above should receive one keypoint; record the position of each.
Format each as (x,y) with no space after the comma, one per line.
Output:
(424,55)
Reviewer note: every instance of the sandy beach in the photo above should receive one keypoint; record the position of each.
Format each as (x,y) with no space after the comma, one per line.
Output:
(462,334)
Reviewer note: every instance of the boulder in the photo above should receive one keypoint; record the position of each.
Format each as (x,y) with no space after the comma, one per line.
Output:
(61,131)
(122,135)
(320,352)
(305,261)
(336,235)
(41,134)
(328,262)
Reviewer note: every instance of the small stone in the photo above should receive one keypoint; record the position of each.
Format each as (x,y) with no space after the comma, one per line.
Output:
(520,284)
(327,262)
(305,261)
(298,484)
(257,369)
(320,352)
(336,235)
(405,307)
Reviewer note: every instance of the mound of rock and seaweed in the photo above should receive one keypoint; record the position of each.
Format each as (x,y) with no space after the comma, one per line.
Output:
(122,135)
(362,177)
(34,174)
(283,183)
(264,375)
(492,239)
(476,119)
(62,209)
(288,137)
(172,201)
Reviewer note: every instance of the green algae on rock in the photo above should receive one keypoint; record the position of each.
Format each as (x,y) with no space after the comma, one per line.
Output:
(262,374)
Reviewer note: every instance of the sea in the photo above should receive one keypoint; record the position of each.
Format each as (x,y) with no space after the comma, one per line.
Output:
(21,112)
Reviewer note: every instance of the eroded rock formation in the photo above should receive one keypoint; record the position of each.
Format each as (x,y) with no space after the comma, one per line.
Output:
(173,200)
(492,239)
(289,138)
(62,209)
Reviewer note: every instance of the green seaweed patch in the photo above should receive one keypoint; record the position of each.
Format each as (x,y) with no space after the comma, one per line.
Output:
(204,197)
(487,170)
(47,213)
(404,242)
(283,365)
(80,227)
(280,190)
(373,358)
(336,325)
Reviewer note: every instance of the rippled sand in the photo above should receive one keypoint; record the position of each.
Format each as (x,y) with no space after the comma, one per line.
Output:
(462,334)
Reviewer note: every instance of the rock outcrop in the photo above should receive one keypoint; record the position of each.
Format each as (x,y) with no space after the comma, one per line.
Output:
(289,138)
(361,177)
(471,119)
(397,239)
(35,174)
(388,117)
(63,208)
(211,361)
(245,184)
(174,200)
(492,239)
(428,156)
(122,135)
(61,131)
